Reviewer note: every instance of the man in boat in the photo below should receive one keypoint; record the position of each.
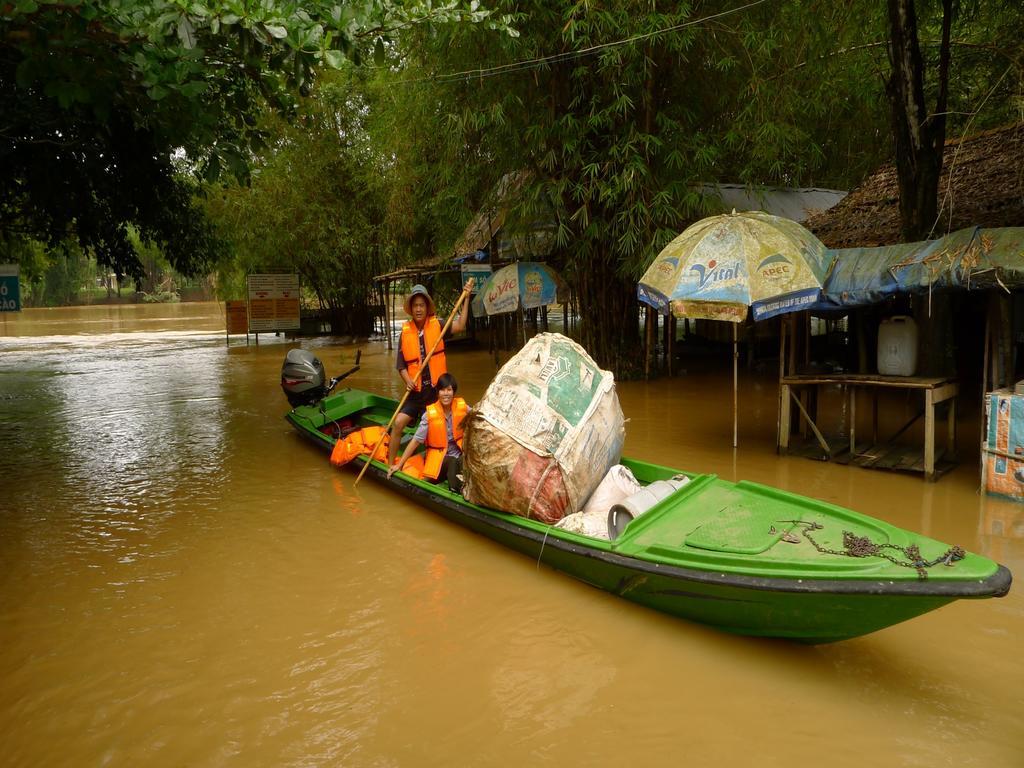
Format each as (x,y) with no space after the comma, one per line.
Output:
(419,334)
(440,429)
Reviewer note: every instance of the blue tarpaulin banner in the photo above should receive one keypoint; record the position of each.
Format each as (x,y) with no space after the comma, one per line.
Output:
(969,259)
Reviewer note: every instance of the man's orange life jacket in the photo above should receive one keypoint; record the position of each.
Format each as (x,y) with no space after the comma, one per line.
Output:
(437,435)
(411,349)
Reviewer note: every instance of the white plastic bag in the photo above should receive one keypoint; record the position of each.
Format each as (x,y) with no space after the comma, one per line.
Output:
(618,483)
(592,524)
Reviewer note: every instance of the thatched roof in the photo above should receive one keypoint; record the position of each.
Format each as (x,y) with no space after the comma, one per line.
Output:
(987,191)
(481,230)
(491,217)
(417,271)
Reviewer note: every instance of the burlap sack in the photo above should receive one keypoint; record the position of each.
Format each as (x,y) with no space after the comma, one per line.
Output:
(544,434)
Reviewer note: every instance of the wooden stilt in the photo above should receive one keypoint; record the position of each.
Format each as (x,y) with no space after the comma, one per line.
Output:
(782,414)
(671,341)
(648,341)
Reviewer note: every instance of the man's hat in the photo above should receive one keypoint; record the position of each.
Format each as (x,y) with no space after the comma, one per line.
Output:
(419,290)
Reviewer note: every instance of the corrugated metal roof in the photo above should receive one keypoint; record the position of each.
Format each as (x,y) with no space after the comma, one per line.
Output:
(794,203)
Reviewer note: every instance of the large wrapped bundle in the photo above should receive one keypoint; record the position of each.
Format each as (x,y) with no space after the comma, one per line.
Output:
(545,433)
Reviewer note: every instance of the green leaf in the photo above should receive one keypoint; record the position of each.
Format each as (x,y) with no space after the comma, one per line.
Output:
(379,57)
(260,35)
(212,171)
(194,88)
(186,32)
(334,59)
(276,31)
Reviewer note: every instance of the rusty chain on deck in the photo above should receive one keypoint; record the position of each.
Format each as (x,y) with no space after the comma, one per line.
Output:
(861,546)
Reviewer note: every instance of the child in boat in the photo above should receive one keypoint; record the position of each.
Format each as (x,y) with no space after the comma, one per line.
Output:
(440,430)
(419,335)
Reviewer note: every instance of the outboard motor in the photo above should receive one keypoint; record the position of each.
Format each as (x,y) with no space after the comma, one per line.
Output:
(303,378)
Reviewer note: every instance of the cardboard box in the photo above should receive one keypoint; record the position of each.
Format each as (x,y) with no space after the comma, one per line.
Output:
(1003,450)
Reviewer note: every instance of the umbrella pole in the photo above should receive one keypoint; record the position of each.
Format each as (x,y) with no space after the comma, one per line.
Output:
(735,381)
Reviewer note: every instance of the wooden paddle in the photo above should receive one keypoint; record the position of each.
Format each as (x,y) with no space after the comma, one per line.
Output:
(416,379)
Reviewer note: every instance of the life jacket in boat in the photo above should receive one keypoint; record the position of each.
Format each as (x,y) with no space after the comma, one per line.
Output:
(411,349)
(359,442)
(437,435)
(413,467)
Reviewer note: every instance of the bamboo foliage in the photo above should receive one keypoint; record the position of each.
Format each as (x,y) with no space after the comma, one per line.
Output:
(315,206)
(617,140)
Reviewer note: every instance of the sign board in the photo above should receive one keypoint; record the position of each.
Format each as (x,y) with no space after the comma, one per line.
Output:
(273,303)
(10,291)
(479,273)
(237,317)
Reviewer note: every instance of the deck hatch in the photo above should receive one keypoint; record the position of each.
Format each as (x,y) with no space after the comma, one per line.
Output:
(743,529)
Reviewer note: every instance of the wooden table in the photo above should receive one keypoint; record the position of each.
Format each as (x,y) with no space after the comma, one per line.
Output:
(936,390)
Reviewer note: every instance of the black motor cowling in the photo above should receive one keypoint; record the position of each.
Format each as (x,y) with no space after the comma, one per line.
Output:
(302,378)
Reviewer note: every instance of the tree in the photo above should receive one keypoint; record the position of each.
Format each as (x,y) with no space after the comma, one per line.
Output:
(111,105)
(919,134)
(618,114)
(316,205)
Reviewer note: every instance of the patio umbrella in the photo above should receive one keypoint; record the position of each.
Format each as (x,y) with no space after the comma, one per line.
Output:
(724,265)
(526,284)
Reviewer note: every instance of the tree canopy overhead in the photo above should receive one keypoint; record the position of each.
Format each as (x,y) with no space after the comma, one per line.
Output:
(110,105)
(619,114)
(622,113)
(316,206)
(616,114)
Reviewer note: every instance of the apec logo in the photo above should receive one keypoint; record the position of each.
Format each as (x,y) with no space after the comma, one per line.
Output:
(776,265)
(668,266)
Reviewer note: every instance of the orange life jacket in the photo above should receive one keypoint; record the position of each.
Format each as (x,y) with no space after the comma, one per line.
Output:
(360,442)
(437,435)
(411,349)
(414,466)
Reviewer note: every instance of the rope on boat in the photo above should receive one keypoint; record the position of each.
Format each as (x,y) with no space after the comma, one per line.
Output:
(542,543)
(332,422)
(861,546)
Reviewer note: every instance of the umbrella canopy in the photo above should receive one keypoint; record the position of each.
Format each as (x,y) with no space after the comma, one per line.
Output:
(722,265)
(528,284)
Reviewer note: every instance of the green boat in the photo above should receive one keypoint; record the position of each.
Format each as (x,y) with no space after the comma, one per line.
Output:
(741,557)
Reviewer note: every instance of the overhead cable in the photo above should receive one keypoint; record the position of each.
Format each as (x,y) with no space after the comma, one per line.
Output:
(517,66)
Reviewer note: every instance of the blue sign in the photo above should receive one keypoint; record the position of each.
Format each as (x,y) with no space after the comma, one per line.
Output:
(791,302)
(10,291)
(479,273)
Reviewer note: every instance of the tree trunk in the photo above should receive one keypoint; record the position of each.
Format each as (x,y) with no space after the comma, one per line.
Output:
(609,317)
(918,136)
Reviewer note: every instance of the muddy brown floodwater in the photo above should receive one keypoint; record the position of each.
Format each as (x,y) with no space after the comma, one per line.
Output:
(184,582)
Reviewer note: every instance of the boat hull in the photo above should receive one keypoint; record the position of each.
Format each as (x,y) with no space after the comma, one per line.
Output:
(810,610)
